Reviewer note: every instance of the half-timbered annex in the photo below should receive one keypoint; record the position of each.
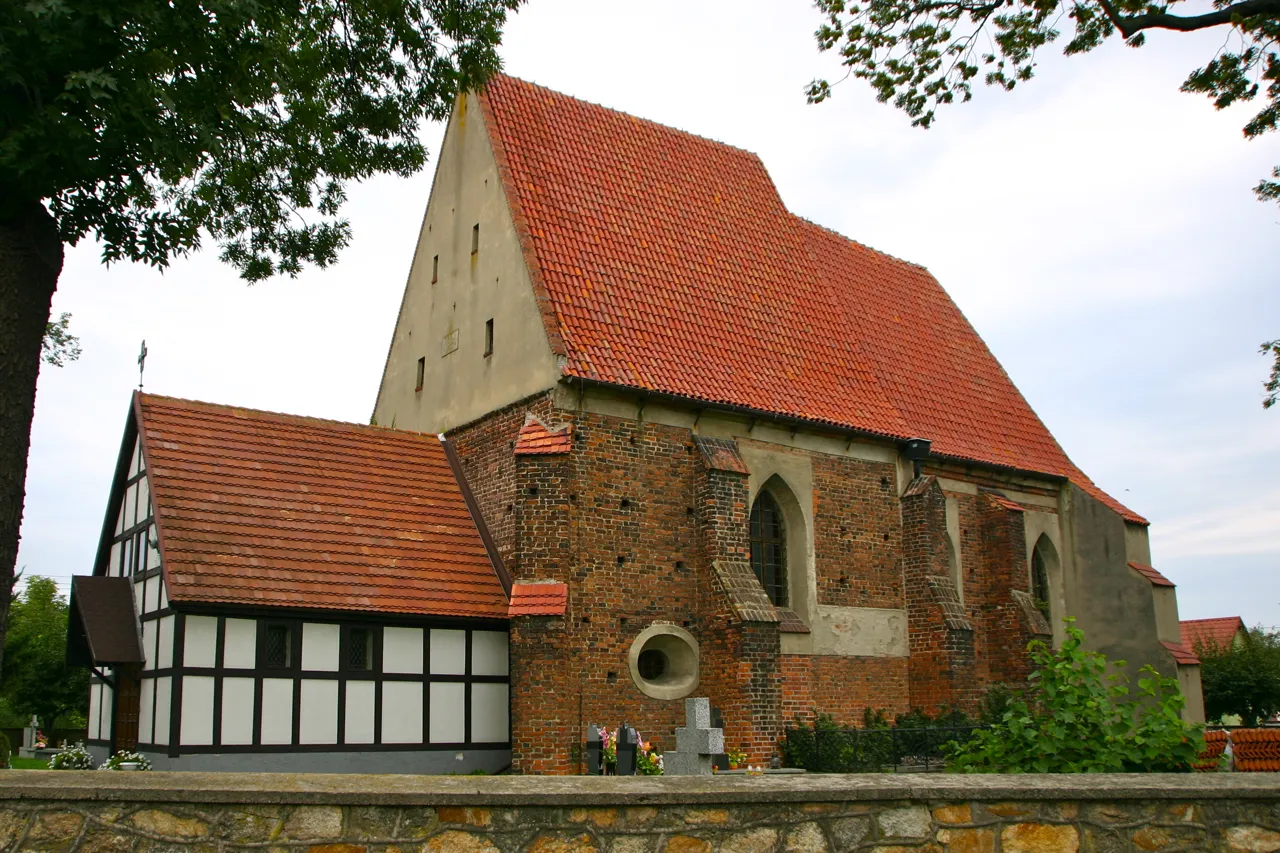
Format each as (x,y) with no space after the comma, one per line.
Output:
(284,593)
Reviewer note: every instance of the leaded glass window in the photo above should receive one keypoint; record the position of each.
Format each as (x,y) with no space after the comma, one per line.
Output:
(769,548)
(278,647)
(360,649)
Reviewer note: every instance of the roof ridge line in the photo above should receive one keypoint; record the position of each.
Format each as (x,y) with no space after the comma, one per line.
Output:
(148,398)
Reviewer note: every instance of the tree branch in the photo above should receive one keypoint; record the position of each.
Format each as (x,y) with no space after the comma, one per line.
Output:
(1164,21)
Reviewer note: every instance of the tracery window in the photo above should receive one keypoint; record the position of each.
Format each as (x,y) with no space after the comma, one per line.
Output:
(769,548)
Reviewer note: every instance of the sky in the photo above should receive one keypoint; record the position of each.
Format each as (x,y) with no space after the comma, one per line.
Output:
(1096,226)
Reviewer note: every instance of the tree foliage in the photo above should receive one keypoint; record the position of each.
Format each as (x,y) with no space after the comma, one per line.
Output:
(36,679)
(1272,386)
(1078,717)
(1242,680)
(147,123)
(60,346)
(922,54)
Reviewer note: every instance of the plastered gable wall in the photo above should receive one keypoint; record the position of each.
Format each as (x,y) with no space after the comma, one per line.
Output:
(1112,604)
(462,384)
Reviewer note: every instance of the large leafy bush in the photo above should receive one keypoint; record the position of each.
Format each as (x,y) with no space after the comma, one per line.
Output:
(1077,716)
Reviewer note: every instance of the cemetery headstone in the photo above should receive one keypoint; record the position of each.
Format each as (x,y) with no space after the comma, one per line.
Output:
(697,742)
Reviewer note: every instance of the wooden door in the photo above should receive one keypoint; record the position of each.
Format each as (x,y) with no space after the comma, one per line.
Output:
(128,695)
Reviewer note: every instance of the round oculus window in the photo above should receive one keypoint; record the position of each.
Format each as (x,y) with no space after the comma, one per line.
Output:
(664,662)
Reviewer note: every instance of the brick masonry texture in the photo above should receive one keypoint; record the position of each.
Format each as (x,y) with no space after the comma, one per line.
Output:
(647,524)
(361,814)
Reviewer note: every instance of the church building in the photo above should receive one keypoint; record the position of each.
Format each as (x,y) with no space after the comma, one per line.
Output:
(654,436)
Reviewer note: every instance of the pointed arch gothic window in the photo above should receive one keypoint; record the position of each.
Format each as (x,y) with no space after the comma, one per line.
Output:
(769,548)
(1040,582)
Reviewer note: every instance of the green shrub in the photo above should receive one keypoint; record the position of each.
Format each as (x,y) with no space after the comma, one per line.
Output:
(6,750)
(72,758)
(1076,717)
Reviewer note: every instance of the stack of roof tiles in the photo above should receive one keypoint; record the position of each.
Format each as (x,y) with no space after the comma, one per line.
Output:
(667,262)
(255,508)
(537,439)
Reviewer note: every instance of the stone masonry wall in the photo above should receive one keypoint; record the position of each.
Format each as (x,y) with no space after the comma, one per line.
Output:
(92,812)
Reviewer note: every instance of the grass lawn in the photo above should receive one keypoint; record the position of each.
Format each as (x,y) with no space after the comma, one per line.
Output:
(28,763)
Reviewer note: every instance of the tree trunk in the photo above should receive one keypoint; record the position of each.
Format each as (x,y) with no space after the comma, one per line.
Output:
(30,263)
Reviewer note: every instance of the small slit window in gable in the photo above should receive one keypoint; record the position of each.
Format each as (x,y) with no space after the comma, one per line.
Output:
(488,337)
(435,269)
(422,373)
(475,238)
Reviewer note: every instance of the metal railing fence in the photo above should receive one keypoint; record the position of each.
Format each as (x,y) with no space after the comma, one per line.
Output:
(891,750)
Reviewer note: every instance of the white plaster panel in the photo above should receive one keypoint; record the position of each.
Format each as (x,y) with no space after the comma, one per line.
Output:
(402,650)
(144,499)
(120,519)
(277,722)
(150,594)
(113,567)
(146,709)
(135,465)
(131,506)
(359,719)
(150,657)
(95,711)
(153,548)
(488,653)
(139,597)
(448,707)
(108,706)
(402,712)
(197,710)
(448,651)
(237,711)
(201,645)
(164,649)
(164,597)
(319,710)
(320,647)
(852,631)
(239,643)
(490,708)
(164,702)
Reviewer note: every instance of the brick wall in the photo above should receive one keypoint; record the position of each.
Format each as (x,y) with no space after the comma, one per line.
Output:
(857,536)
(843,687)
(648,524)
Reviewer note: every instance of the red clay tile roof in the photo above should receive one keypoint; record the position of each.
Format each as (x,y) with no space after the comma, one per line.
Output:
(1220,632)
(256,508)
(537,439)
(667,262)
(1181,655)
(1151,574)
(538,599)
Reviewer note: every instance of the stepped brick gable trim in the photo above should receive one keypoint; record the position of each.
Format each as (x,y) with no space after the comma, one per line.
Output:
(721,454)
(538,439)
(1151,574)
(666,262)
(1180,654)
(539,599)
(263,509)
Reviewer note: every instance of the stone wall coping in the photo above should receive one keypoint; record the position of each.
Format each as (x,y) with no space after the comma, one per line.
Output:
(404,790)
